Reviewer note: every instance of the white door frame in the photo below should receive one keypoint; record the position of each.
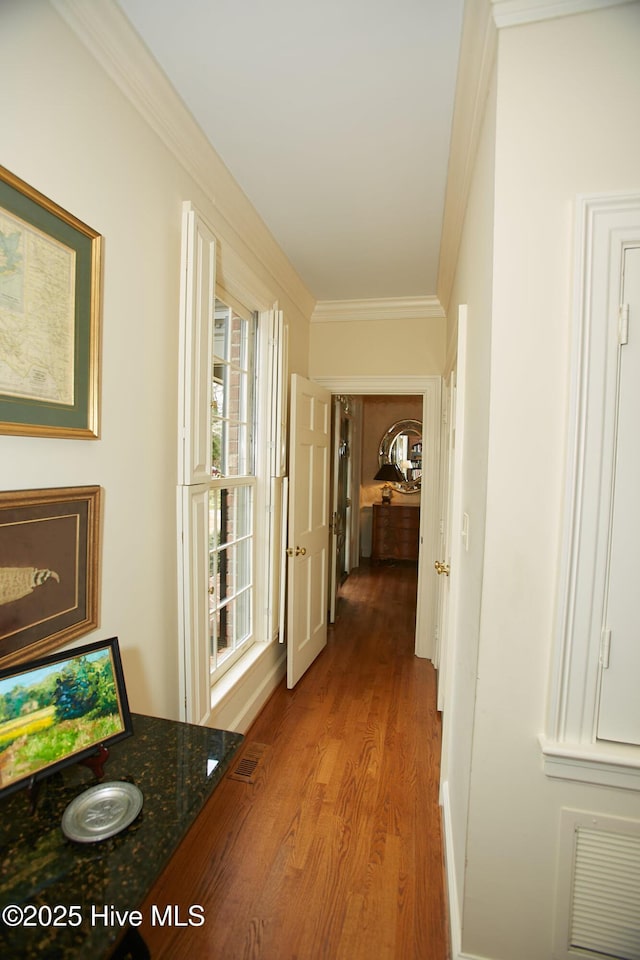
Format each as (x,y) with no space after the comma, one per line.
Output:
(430,388)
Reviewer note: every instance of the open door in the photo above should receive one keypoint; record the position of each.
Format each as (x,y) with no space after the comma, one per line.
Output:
(454,527)
(334,525)
(308,540)
(341,523)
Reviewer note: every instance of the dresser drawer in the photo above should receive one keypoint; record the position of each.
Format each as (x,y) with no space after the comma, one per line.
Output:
(395,532)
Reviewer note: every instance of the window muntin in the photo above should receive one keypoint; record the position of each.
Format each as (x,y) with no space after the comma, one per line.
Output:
(233,488)
(232,395)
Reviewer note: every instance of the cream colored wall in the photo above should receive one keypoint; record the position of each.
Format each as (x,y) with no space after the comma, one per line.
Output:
(362,348)
(472,287)
(567,98)
(68,131)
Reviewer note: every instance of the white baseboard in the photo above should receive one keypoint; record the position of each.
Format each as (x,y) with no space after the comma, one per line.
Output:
(455,915)
(455,919)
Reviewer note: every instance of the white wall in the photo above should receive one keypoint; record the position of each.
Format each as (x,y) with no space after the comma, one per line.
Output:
(567,98)
(68,131)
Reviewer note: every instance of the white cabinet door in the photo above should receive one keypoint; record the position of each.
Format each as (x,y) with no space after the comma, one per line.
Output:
(619,711)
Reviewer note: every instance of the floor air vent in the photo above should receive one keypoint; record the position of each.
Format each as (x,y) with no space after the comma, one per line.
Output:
(599,891)
(246,768)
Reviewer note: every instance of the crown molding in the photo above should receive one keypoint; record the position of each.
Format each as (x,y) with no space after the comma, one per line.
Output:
(397,308)
(477,56)
(111,39)
(377,386)
(510,13)
(482,20)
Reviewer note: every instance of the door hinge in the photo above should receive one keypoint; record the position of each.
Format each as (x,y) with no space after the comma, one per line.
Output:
(605,647)
(623,324)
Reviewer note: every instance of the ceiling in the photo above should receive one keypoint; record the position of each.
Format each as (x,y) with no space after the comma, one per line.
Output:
(334,117)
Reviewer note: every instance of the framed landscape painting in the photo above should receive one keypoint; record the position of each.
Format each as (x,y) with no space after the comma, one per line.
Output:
(49,569)
(49,316)
(59,709)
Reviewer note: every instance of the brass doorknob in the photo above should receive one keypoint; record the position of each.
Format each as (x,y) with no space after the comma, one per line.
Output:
(442,568)
(298,552)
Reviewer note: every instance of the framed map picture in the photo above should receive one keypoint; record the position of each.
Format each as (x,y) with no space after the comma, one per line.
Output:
(49,316)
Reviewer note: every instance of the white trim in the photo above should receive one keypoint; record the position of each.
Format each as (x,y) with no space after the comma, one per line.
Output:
(604,224)
(475,65)
(603,764)
(110,38)
(455,915)
(237,699)
(399,308)
(580,880)
(431,390)
(477,56)
(510,13)
(197,297)
(370,386)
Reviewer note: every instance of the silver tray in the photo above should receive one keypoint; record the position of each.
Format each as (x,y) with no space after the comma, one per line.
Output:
(102,811)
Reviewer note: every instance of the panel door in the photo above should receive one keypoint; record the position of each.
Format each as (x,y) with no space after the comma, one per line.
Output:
(308,538)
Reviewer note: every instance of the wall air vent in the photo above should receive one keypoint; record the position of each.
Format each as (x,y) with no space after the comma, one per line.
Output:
(598,888)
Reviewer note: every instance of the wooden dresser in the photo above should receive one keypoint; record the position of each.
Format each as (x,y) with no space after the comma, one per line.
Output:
(395,532)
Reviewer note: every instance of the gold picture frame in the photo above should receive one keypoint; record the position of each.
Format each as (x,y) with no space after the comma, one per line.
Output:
(49,569)
(50,294)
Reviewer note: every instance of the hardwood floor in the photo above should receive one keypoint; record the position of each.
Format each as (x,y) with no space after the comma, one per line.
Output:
(334,852)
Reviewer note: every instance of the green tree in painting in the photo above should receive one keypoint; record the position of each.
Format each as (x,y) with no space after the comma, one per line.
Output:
(85,689)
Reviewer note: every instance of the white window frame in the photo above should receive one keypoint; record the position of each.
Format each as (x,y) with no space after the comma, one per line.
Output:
(250,480)
(197,305)
(605,226)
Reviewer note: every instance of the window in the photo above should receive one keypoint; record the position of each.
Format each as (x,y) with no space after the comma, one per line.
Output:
(232,493)
(231,462)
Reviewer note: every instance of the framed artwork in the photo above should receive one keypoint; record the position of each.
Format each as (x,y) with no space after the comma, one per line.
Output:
(49,569)
(49,316)
(59,709)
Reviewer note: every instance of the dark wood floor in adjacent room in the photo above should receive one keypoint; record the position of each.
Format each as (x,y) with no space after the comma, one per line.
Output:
(334,852)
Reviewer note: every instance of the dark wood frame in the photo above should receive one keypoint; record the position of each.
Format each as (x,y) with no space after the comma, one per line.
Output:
(49,569)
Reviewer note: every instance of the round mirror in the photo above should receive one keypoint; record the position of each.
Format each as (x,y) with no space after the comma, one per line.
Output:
(402,445)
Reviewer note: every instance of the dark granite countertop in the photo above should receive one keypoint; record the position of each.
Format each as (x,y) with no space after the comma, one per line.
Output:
(176,766)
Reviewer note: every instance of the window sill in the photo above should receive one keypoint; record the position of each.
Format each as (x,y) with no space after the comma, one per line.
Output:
(238,696)
(607,764)
(228,681)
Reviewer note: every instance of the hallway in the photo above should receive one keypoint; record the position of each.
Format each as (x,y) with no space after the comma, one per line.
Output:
(334,851)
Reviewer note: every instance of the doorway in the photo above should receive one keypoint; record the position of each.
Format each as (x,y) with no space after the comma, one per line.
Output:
(428,389)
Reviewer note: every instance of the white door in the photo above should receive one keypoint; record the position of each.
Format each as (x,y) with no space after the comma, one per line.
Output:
(308,538)
(447,446)
(449,570)
(334,575)
(341,523)
(619,713)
